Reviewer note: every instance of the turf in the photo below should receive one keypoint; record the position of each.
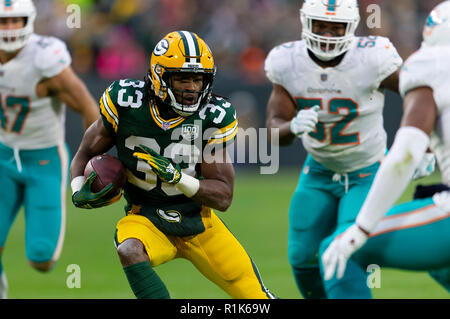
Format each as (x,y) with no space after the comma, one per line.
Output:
(257,217)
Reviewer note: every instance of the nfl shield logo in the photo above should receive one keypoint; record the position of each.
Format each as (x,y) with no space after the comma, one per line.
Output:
(324,77)
(165,126)
(190,131)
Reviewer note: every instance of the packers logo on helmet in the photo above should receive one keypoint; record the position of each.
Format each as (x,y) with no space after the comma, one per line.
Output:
(181,52)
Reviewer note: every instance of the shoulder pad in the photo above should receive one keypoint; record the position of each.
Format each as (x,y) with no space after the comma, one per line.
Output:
(382,54)
(278,62)
(221,118)
(127,92)
(418,70)
(51,56)
(120,96)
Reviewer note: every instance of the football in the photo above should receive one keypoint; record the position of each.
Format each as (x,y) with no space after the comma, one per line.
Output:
(109,170)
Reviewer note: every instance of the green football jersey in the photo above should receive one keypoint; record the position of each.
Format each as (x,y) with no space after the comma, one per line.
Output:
(133,119)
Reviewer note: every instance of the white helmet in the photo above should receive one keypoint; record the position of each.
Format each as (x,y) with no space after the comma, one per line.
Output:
(340,11)
(13,40)
(437,27)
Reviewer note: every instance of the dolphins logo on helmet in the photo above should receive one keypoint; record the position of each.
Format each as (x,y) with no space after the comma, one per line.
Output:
(436,31)
(181,52)
(339,11)
(13,40)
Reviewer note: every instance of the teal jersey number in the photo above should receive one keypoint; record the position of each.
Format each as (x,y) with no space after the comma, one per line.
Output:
(337,137)
(22,105)
(368,42)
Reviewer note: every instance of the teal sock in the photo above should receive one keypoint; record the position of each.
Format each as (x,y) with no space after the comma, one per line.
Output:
(144,281)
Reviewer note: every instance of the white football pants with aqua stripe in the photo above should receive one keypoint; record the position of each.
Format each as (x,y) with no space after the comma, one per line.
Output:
(413,236)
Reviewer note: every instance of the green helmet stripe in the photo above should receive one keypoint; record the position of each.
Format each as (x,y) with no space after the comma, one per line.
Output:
(191,46)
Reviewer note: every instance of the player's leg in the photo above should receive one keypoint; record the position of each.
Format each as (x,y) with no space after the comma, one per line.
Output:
(312,217)
(412,236)
(11,196)
(442,276)
(141,246)
(219,256)
(353,285)
(45,205)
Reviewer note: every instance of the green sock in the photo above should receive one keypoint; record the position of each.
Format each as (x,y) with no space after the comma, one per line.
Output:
(144,281)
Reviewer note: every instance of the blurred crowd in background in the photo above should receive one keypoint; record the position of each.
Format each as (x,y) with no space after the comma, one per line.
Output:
(116,37)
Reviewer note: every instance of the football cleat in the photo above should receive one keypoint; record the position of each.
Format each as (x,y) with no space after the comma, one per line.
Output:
(338,11)
(13,40)
(181,52)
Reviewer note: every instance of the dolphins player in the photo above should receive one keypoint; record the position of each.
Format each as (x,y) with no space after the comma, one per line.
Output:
(413,235)
(328,91)
(35,81)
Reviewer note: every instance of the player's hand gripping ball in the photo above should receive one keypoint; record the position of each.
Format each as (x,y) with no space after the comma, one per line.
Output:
(105,178)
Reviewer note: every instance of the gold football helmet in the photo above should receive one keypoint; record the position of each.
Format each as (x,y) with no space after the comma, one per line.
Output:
(181,51)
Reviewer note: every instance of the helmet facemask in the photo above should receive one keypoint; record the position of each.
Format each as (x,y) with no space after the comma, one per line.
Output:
(327,48)
(170,59)
(12,40)
(183,105)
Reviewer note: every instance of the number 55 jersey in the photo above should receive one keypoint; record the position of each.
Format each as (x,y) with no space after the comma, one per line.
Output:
(133,119)
(350,133)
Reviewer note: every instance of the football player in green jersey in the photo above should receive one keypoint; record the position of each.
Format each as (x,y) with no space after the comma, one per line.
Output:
(171,133)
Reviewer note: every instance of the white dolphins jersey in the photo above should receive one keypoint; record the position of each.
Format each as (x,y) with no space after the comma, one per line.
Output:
(429,67)
(28,121)
(350,133)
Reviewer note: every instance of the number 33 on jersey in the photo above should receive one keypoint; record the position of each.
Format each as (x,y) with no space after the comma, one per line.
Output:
(130,116)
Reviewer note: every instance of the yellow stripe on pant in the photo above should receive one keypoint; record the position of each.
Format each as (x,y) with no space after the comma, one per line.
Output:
(216,253)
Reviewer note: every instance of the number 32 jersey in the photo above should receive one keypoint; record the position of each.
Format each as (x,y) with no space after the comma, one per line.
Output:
(28,121)
(130,116)
(350,133)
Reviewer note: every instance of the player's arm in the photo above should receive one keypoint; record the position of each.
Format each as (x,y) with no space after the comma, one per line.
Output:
(69,88)
(282,114)
(216,189)
(394,174)
(391,82)
(410,145)
(279,113)
(96,140)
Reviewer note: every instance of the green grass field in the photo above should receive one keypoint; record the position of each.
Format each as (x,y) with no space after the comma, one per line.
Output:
(257,217)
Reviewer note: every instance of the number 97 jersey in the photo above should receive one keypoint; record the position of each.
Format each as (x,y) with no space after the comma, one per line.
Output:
(350,133)
(133,118)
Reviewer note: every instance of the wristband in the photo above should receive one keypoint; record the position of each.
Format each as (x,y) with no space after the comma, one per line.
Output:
(77,183)
(188,185)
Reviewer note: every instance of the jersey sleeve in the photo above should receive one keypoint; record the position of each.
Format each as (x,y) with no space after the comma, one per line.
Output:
(388,59)
(223,121)
(52,56)
(277,63)
(108,109)
(417,71)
